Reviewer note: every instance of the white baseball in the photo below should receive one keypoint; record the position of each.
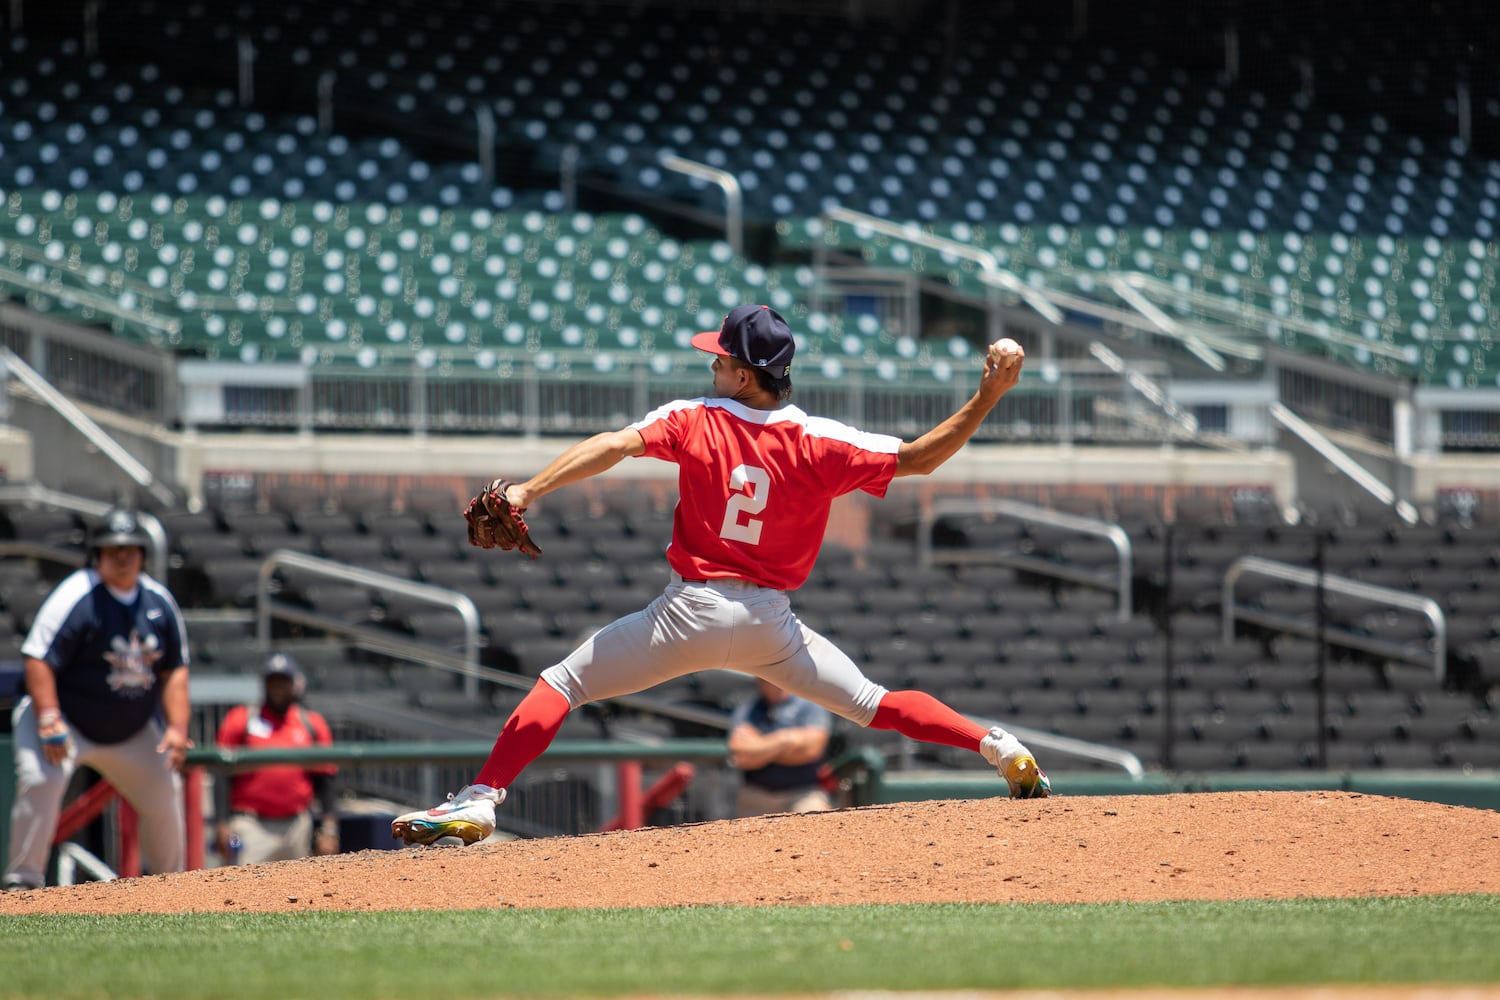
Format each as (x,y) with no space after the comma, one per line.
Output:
(1005,352)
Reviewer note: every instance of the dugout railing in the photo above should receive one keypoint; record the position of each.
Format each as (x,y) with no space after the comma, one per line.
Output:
(627,808)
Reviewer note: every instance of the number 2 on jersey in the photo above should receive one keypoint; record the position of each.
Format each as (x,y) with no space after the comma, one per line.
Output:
(757,485)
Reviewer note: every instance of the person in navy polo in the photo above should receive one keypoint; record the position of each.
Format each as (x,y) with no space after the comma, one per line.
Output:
(778,742)
(107,688)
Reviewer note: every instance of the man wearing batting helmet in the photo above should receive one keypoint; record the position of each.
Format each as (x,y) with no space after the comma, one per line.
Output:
(107,688)
(756,481)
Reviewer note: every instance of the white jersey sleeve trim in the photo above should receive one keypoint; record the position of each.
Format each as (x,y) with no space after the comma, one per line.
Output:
(665,410)
(826,428)
(156,587)
(822,427)
(55,610)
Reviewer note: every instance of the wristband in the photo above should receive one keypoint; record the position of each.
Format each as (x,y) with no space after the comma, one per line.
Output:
(48,717)
(56,739)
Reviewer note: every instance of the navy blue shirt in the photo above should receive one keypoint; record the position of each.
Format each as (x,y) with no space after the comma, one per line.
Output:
(109,657)
(790,713)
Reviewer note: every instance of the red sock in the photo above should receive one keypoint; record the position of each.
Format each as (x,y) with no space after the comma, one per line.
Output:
(527,732)
(922,717)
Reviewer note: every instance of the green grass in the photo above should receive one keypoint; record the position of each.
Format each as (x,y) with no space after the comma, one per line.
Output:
(708,950)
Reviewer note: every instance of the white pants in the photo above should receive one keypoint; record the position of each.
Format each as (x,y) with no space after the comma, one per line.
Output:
(137,771)
(272,839)
(721,624)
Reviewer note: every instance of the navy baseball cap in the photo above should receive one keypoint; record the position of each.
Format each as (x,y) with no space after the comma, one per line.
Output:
(282,665)
(279,664)
(756,335)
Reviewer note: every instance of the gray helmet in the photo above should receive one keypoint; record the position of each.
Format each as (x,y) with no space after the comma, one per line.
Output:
(119,527)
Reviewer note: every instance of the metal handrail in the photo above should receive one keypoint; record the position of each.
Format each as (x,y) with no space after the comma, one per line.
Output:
(1146,386)
(375,640)
(734,199)
(484,126)
(466,665)
(1165,323)
(438,596)
(41,495)
(567,175)
(68,294)
(83,424)
(1038,515)
(1132,287)
(439,751)
(1339,585)
(1236,311)
(1073,747)
(1362,477)
(72,856)
(991,273)
(327,80)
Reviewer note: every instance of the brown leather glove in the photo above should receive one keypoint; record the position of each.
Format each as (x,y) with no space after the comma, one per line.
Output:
(496,523)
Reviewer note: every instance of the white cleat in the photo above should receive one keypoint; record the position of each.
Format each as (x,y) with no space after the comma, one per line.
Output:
(1015,764)
(469,816)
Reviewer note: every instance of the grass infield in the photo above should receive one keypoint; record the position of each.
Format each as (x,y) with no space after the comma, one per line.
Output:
(721,950)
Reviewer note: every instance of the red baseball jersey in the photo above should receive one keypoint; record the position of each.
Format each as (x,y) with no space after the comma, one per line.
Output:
(755,486)
(276,791)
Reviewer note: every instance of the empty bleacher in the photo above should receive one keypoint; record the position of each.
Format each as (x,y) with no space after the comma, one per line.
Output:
(137,190)
(1065,159)
(997,643)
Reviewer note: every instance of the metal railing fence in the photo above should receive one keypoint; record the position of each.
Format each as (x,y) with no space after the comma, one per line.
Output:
(538,389)
(1433,652)
(1073,401)
(1118,578)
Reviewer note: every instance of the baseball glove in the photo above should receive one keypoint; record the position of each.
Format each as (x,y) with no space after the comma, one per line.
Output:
(495,522)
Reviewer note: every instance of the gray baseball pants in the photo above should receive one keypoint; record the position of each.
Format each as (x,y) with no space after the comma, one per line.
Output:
(137,771)
(721,624)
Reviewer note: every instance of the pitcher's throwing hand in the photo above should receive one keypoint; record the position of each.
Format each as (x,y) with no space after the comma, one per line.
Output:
(1006,354)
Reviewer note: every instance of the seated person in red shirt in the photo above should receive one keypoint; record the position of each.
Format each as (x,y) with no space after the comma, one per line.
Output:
(269,809)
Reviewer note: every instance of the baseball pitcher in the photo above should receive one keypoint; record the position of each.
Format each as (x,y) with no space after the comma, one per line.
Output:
(756,481)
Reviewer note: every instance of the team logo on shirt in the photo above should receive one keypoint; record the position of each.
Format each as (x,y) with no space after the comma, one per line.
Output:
(132,664)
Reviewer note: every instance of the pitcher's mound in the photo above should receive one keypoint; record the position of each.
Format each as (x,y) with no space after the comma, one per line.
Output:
(1230,845)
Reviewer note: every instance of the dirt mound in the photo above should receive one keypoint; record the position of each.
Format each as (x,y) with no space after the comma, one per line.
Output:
(1238,845)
